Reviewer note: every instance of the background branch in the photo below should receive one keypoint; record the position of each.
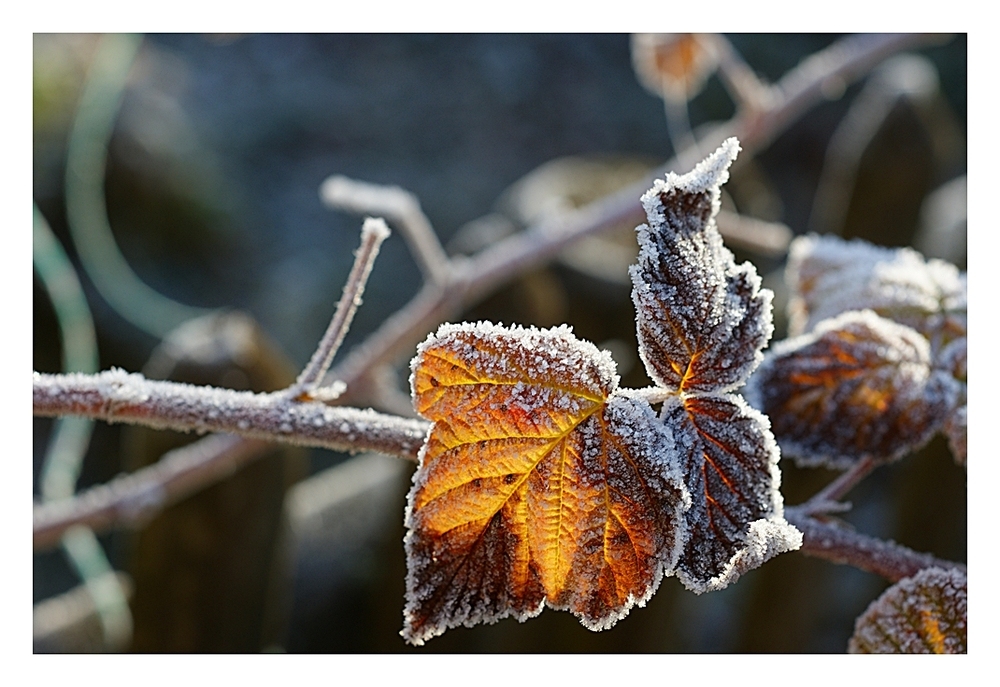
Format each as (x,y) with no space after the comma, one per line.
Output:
(801,88)
(839,544)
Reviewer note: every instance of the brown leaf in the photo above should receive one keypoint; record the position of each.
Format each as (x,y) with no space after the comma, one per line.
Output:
(673,65)
(923,614)
(702,322)
(539,484)
(859,386)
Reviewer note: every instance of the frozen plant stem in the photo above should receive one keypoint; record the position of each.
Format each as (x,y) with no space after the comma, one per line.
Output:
(846,481)
(398,206)
(841,544)
(469,281)
(373,233)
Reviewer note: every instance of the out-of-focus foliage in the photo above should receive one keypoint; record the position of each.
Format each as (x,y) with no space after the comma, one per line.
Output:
(924,614)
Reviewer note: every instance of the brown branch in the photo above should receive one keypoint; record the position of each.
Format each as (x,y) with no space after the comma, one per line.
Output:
(130,500)
(373,233)
(801,88)
(117,396)
(839,544)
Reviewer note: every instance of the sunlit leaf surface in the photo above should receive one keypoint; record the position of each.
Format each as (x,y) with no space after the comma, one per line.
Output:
(858,386)
(702,322)
(923,614)
(539,483)
(829,276)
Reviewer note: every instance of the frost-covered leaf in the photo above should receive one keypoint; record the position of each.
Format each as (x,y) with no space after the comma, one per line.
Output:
(539,484)
(923,614)
(858,386)
(729,460)
(828,276)
(702,322)
(701,319)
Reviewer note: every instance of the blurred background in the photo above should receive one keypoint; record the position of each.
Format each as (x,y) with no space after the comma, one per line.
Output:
(210,153)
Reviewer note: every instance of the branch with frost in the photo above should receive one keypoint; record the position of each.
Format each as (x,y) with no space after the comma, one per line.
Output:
(468,281)
(116,396)
(840,544)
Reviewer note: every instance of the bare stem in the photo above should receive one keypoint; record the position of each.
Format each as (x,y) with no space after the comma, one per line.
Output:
(402,208)
(373,233)
(132,499)
(117,396)
(840,544)
(846,481)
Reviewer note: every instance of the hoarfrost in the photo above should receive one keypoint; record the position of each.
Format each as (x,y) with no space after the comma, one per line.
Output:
(923,614)
(534,489)
(730,464)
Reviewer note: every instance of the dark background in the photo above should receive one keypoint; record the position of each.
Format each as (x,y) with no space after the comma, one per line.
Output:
(219,151)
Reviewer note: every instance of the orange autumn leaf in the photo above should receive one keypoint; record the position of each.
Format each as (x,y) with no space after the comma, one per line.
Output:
(539,484)
(673,65)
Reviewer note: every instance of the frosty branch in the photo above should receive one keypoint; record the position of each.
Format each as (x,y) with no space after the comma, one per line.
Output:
(684,279)
(119,397)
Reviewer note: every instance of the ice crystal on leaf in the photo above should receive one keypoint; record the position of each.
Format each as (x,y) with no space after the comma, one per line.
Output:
(541,483)
(702,321)
(923,614)
(860,386)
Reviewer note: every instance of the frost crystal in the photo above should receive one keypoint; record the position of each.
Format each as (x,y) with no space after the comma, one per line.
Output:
(701,319)
(538,484)
(702,322)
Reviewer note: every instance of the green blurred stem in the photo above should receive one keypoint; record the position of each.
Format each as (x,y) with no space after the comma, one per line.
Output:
(86,209)
(71,435)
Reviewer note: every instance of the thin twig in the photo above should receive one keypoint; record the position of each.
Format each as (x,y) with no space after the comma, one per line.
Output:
(762,237)
(844,482)
(131,500)
(402,208)
(373,233)
(742,83)
(800,89)
(840,544)
(117,396)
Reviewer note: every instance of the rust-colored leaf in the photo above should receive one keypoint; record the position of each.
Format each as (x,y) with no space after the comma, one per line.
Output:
(539,484)
(923,614)
(702,322)
(859,386)
(829,276)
